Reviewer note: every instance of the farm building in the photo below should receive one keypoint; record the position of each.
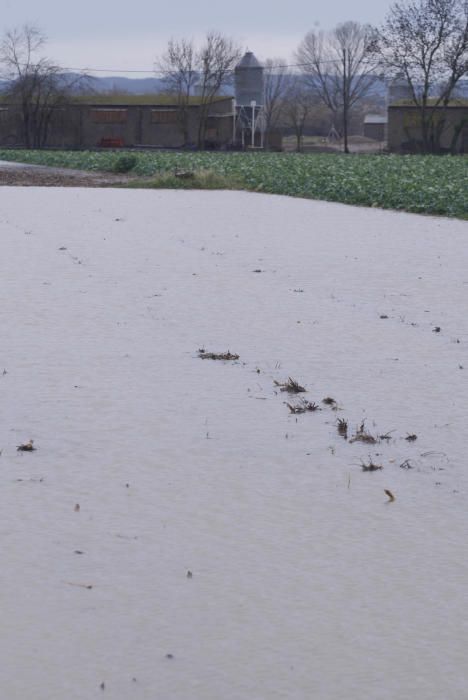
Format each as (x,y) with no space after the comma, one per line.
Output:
(375,127)
(157,121)
(404,127)
(124,121)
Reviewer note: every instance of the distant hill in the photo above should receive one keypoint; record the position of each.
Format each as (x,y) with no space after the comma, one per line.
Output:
(144,86)
(133,86)
(117,83)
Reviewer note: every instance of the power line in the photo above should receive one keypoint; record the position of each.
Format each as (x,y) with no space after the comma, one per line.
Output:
(163,73)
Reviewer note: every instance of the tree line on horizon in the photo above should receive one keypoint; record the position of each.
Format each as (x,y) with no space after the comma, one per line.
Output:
(423,43)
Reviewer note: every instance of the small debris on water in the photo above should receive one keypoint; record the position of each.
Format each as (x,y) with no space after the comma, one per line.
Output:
(342,426)
(303,407)
(329,401)
(26,447)
(363,436)
(291,386)
(169,656)
(383,316)
(436,329)
(103,686)
(189,574)
(77,507)
(411,437)
(370,466)
(390,495)
(217,356)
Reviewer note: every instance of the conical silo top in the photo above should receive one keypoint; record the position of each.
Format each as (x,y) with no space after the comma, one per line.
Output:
(248,60)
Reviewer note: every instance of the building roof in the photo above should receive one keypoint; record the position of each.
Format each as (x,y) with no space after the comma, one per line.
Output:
(455,103)
(124,100)
(375,119)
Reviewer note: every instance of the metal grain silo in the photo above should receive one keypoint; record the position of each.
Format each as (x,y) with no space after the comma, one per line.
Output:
(248,76)
(399,90)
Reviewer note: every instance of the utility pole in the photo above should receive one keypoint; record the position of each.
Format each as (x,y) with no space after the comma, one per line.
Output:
(345,98)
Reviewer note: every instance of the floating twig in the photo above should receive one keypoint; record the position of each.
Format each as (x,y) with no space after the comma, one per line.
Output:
(79,585)
(390,495)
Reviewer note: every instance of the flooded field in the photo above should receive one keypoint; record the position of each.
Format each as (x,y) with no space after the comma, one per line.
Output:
(188,523)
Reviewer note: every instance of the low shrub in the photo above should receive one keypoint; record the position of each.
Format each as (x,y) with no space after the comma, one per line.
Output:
(124,164)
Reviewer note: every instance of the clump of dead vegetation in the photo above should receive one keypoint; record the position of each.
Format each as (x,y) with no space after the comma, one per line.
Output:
(189,179)
(291,386)
(411,437)
(217,356)
(303,407)
(342,427)
(363,436)
(26,447)
(328,401)
(370,466)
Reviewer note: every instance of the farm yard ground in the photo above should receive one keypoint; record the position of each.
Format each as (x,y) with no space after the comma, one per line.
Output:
(420,184)
(311,144)
(27,175)
(179,532)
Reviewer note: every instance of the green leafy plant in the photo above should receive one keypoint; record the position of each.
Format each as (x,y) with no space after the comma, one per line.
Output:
(414,183)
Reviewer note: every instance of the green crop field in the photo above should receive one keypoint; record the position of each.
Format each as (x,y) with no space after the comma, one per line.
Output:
(420,184)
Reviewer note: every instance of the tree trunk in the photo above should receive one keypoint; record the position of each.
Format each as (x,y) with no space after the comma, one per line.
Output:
(345,102)
(345,129)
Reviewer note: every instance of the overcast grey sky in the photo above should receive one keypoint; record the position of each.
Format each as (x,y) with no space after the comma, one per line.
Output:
(128,36)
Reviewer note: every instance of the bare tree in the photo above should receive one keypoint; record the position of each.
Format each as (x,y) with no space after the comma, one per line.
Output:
(276,79)
(216,61)
(426,42)
(205,71)
(298,105)
(36,84)
(178,66)
(341,68)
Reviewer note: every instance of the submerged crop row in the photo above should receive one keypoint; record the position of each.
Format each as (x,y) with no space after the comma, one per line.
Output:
(421,184)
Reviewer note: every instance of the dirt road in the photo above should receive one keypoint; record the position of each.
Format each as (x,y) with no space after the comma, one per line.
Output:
(24,175)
